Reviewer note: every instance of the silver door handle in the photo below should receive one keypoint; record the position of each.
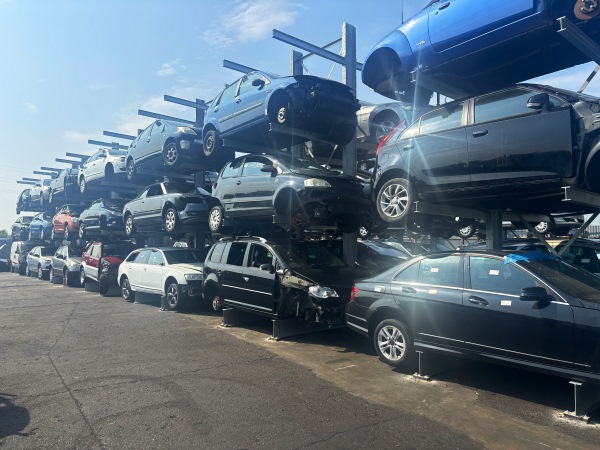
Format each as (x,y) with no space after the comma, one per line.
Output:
(246,279)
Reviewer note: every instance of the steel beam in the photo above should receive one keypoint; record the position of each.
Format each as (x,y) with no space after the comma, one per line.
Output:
(144,113)
(55,169)
(579,39)
(31,179)
(68,161)
(78,155)
(107,144)
(50,174)
(28,183)
(237,67)
(119,135)
(198,104)
(581,197)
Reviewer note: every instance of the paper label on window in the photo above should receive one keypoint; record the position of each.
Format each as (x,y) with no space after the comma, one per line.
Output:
(433,291)
(434,270)
(379,288)
(585,260)
(505,302)
(494,272)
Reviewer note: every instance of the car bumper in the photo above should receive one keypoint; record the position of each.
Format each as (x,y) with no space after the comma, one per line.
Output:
(194,213)
(337,202)
(190,147)
(193,288)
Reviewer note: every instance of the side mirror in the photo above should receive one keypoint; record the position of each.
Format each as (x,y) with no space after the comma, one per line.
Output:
(534,294)
(267,267)
(268,168)
(539,101)
(260,83)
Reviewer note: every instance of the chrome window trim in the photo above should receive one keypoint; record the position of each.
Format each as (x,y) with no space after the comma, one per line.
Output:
(518,353)
(356,317)
(245,289)
(350,324)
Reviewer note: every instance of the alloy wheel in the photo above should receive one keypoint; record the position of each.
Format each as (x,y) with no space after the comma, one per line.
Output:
(215,219)
(383,129)
(170,220)
(173,295)
(394,200)
(129,225)
(171,155)
(391,343)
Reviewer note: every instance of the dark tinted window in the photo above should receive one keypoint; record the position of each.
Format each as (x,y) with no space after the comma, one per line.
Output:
(408,275)
(236,253)
(502,104)
(47,251)
(444,271)
(188,256)
(307,255)
(492,275)
(584,257)
(259,255)
(445,118)
(217,252)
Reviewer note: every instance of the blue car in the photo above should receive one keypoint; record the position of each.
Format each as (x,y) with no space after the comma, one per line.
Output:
(466,47)
(41,226)
(301,107)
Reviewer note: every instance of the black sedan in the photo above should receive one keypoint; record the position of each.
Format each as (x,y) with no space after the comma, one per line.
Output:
(174,205)
(256,187)
(102,215)
(512,148)
(527,309)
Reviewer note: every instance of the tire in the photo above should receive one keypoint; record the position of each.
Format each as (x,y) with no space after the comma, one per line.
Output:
(103,285)
(364,233)
(393,343)
(130,170)
(27,271)
(395,200)
(175,298)
(81,232)
(215,219)
(543,227)
(67,234)
(42,235)
(211,142)
(109,172)
(129,226)
(22,270)
(40,273)
(216,303)
(279,109)
(82,278)
(466,232)
(51,197)
(82,185)
(383,125)
(171,155)
(171,220)
(126,291)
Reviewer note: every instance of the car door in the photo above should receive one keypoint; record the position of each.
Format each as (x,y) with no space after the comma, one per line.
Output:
(225,188)
(97,166)
(255,189)
(154,140)
(152,204)
(233,286)
(93,259)
(36,191)
(499,324)
(135,206)
(225,108)
(134,268)
(250,100)
(508,140)
(434,303)
(437,153)
(259,284)
(465,26)
(153,272)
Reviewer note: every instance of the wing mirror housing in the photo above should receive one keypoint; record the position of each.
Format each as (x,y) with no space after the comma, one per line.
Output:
(534,294)
(269,168)
(258,83)
(539,101)
(267,268)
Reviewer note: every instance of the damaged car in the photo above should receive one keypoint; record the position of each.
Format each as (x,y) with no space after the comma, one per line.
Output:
(278,280)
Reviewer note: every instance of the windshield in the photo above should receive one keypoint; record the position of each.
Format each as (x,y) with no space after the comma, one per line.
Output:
(571,94)
(574,281)
(47,182)
(113,152)
(294,163)
(181,188)
(185,256)
(47,251)
(300,256)
(114,205)
(27,219)
(118,250)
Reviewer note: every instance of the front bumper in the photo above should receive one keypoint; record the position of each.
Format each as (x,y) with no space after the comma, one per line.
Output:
(190,147)
(193,288)
(194,213)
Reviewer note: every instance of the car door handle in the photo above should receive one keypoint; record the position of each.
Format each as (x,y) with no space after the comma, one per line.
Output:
(246,279)
(219,272)
(409,145)
(239,182)
(408,290)
(444,6)
(479,133)
(237,99)
(478,301)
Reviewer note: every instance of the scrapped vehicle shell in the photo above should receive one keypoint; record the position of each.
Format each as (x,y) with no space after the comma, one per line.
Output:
(376,121)
(65,182)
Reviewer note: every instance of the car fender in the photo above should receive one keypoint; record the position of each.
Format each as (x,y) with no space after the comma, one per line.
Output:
(396,42)
(592,153)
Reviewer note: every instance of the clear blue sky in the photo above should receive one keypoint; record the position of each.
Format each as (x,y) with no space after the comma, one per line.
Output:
(73,68)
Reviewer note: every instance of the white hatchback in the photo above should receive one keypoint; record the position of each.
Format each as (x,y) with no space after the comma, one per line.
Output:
(176,273)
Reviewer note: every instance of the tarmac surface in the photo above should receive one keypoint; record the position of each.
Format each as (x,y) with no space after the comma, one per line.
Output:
(82,371)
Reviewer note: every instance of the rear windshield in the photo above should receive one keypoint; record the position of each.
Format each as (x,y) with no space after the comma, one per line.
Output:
(173,188)
(185,256)
(308,255)
(47,251)
(27,219)
(118,250)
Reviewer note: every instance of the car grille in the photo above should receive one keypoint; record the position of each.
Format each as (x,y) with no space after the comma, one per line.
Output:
(194,288)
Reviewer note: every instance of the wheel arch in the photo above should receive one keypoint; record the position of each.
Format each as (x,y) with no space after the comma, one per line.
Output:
(170,279)
(384,313)
(168,204)
(593,157)
(211,286)
(388,175)
(280,197)
(379,115)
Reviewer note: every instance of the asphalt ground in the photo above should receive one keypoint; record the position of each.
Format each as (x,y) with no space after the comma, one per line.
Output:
(82,371)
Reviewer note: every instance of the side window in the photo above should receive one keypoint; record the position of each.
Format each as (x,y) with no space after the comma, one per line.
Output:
(146,133)
(502,105)
(143,194)
(583,257)
(232,169)
(409,274)
(156,258)
(252,166)
(411,131)
(228,93)
(246,85)
(492,275)
(158,127)
(446,271)
(236,253)
(259,255)
(142,257)
(154,190)
(95,253)
(442,119)
(131,257)
(217,252)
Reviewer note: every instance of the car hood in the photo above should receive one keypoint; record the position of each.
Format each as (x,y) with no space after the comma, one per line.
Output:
(113,259)
(329,176)
(323,81)
(197,267)
(341,280)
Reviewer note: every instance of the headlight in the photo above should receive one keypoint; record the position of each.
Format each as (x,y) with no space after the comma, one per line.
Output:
(193,276)
(322,292)
(316,182)
(186,130)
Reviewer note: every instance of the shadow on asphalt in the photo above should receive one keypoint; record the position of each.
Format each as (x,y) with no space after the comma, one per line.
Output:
(13,418)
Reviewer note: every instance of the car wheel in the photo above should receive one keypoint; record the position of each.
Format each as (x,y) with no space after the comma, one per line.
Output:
(27,271)
(216,303)
(82,278)
(171,220)
(174,297)
(81,232)
(466,232)
(372,223)
(543,227)
(82,185)
(40,273)
(215,219)
(109,172)
(129,227)
(211,142)
(383,126)
(22,270)
(363,233)
(171,154)
(67,234)
(393,343)
(51,197)
(130,169)
(126,291)
(103,285)
(30,238)
(395,200)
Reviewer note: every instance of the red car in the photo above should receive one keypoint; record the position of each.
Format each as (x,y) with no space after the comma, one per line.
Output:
(66,222)
(100,262)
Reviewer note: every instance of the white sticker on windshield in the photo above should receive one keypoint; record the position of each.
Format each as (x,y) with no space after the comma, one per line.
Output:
(433,291)
(494,272)
(434,270)
(585,260)
(505,302)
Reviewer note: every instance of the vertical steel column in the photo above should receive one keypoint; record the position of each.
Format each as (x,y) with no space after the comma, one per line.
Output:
(349,155)
(493,230)
(296,68)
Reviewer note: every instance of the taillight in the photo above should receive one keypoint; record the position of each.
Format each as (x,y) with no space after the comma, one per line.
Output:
(353,293)
(387,137)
